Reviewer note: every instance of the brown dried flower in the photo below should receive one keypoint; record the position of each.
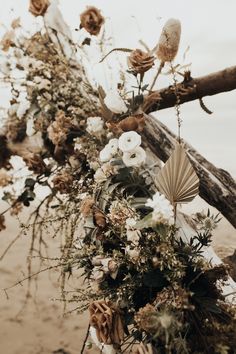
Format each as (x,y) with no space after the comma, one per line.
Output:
(99,218)
(59,129)
(175,297)
(63,182)
(86,206)
(131,123)
(8,40)
(92,20)
(16,208)
(38,7)
(5,179)
(144,318)
(2,222)
(140,62)
(35,163)
(106,318)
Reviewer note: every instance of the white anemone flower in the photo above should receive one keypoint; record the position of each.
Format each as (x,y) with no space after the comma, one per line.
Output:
(129,141)
(94,125)
(115,103)
(109,151)
(134,158)
(162,209)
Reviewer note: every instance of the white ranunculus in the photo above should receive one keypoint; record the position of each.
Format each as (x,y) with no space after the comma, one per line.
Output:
(115,103)
(129,141)
(162,209)
(134,158)
(105,348)
(109,151)
(94,125)
(105,154)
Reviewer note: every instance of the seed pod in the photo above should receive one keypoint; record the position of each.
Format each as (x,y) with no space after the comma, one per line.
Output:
(168,44)
(99,218)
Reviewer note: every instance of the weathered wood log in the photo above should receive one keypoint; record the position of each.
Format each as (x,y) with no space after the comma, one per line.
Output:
(217,187)
(191,89)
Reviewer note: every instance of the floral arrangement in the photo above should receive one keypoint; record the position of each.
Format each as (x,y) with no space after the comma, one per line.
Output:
(148,287)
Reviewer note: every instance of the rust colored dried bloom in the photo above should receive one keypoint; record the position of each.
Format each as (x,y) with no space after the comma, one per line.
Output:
(106,318)
(35,163)
(2,222)
(168,44)
(63,182)
(99,218)
(131,123)
(59,129)
(140,62)
(86,206)
(5,179)
(38,7)
(92,20)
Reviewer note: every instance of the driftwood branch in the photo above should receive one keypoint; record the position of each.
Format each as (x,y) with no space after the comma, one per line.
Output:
(217,187)
(191,89)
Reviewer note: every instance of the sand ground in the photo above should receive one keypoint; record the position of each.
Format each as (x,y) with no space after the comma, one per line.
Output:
(38,326)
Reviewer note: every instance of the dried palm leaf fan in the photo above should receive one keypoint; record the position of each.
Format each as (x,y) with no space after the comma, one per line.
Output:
(177,180)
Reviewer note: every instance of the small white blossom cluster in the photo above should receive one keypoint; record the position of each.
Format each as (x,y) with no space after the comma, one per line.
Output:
(95,126)
(133,155)
(163,212)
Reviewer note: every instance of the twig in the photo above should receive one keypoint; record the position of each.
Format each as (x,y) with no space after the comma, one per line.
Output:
(85,340)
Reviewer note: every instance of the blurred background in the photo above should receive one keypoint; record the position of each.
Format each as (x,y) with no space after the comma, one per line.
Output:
(208,43)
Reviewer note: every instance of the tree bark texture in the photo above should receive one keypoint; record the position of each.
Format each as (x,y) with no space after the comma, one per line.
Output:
(191,89)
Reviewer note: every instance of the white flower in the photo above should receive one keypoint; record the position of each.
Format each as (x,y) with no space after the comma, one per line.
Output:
(129,141)
(97,274)
(134,158)
(132,234)
(23,108)
(109,151)
(94,125)
(115,103)
(100,176)
(162,209)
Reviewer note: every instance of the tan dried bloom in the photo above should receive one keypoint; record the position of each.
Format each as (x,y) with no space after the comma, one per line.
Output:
(16,208)
(59,129)
(132,123)
(8,40)
(2,222)
(5,179)
(63,182)
(106,318)
(168,44)
(38,7)
(119,213)
(92,20)
(174,297)
(86,206)
(16,23)
(140,62)
(146,318)
(35,163)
